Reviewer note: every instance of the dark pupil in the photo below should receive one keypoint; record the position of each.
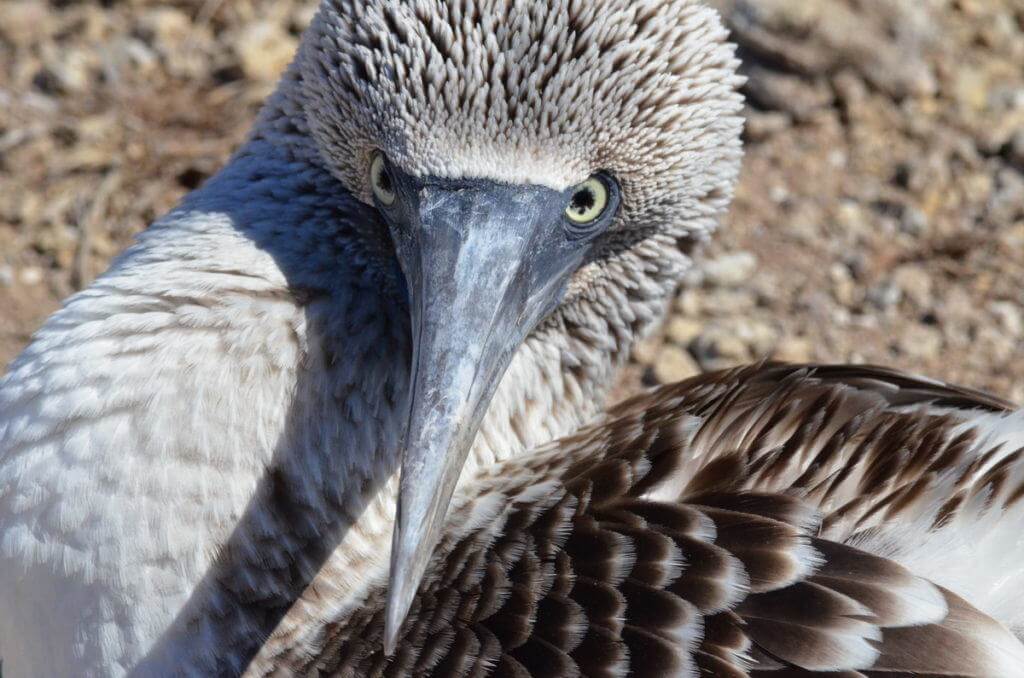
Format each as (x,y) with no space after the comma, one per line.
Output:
(583,201)
(384,180)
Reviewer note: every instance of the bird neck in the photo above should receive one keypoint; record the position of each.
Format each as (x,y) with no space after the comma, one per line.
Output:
(245,365)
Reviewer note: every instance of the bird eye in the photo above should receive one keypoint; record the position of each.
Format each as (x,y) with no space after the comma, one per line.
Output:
(380,180)
(589,201)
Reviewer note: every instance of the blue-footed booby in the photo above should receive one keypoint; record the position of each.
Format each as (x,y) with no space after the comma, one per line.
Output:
(341,412)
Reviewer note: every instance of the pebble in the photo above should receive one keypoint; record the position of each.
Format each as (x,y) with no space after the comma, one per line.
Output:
(795,350)
(718,347)
(760,336)
(779,194)
(796,96)
(843,287)
(971,88)
(885,295)
(165,27)
(762,125)
(1009,316)
(728,302)
(1006,203)
(913,221)
(851,217)
(730,270)
(914,283)
(957,306)
(994,347)
(920,342)
(682,330)
(1016,150)
(68,72)
(674,364)
(689,303)
(30,275)
(264,49)
(646,351)
(24,22)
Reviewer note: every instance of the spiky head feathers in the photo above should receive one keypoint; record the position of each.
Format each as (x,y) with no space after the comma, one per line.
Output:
(533,92)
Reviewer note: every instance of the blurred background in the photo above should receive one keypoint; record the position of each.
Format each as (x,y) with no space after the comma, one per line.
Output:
(880,217)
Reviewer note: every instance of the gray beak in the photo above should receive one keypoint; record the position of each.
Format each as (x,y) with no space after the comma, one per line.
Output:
(483,263)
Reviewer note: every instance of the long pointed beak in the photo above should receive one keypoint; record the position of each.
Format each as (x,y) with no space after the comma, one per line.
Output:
(483,264)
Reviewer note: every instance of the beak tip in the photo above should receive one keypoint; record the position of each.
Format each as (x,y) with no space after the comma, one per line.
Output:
(394,614)
(390,637)
(398,597)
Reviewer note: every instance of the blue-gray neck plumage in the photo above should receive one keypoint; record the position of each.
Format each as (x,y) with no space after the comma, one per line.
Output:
(258,336)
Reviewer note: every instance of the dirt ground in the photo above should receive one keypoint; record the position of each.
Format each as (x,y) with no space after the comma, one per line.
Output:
(880,217)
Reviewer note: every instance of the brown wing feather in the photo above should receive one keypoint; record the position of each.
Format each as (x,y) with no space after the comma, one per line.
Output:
(680,536)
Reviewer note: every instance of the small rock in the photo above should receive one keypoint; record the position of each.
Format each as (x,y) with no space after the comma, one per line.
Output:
(779,194)
(993,344)
(264,49)
(1016,150)
(302,15)
(921,342)
(728,302)
(1013,238)
(885,296)
(760,337)
(978,187)
(957,306)
(67,71)
(682,331)
(851,90)
(6,275)
(730,270)
(31,275)
(914,284)
(646,351)
(1009,316)
(165,27)
(718,347)
(24,22)
(796,96)
(843,288)
(840,316)
(851,217)
(761,125)
(689,303)
(1006,203)
(913,221)
(794,350)
(674,364)
(971,88)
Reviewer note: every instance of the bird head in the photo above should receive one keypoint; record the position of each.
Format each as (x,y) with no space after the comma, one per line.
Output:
(527,157)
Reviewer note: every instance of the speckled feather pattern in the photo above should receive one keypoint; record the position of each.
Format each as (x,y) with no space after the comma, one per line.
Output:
(198,452)
(191,439)
(706,529)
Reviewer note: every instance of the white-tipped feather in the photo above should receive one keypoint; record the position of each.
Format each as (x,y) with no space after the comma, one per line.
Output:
(979,554)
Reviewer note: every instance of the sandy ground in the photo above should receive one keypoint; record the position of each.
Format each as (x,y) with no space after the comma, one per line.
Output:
(880,217)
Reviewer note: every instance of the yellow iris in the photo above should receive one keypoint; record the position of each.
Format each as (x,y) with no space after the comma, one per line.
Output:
(588,202)
(380,180)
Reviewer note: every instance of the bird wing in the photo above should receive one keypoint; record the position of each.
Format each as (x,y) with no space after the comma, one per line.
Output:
(699,530)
